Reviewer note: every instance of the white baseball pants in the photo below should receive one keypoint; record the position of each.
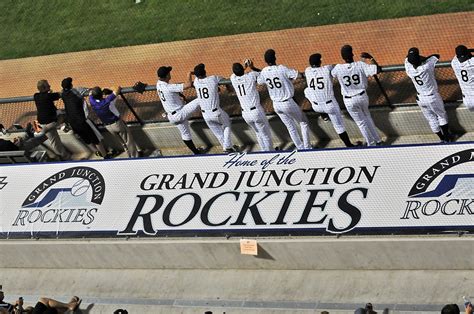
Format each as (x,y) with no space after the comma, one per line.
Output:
(358,108)
(181,116)
(218,122)
(257,120)
(291,114)
(432,107)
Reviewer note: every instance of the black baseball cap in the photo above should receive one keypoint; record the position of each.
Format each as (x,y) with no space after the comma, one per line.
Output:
(315,59)
(67,83)
(238,69)
(164,71)
(96,92)
(269,56)
(200,70)
(346,52)
(463,53)
(413,56)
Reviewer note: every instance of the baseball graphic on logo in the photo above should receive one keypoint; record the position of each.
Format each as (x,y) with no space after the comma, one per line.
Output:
(80,187)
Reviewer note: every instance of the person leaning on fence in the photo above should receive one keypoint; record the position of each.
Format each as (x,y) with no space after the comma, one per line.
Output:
(104,107)
(47,117)
(421,70)
(463,66)
(77,112)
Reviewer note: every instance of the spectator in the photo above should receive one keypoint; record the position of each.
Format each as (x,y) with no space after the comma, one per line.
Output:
(47,117)
(450,309)
(5,307)
(27,143)
(105,109)
(77,112)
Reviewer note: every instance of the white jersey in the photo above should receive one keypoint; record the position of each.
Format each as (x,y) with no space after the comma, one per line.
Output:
(207,90)
(465,74)
(278,80)
(353,76)
(319,82)
(246,89)
(423,77)
(169,95)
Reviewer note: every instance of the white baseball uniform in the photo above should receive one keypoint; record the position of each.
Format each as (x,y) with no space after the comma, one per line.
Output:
(278,78)
(320,93)
(245,87)
(177,112)
(218,121)
(465,74)
(428,98)
(353,80)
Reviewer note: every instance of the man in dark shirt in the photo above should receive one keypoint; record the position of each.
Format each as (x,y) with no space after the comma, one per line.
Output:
(76,111)
(47,117)
(5,307)
(104,107)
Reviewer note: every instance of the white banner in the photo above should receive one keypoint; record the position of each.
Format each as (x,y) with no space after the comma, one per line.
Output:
(397,189)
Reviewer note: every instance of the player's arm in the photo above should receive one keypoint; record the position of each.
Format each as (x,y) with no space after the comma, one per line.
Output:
(248,64)
(189,83)
(367,58)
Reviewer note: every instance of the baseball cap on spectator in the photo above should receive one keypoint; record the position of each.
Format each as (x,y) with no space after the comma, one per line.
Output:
(67,83)
(238,69)
(269,56)
(200,70)
(463,53)
(315,59)
(164,71)
(413,56)
(96,92)
(346,52)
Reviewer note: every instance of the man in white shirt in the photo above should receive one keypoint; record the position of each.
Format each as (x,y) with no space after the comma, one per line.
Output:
(320,94)
(173,102)
(352,77)
(463,66)
(279,81)
(245,86)
(421,70)
(218,121)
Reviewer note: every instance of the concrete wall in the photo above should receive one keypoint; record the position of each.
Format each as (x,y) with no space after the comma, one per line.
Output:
(290,275)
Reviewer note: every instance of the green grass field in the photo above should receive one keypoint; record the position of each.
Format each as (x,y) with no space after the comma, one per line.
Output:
(41,27)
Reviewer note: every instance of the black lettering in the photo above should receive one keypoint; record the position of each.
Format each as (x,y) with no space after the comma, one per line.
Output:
(409,209)
(349,209)
(253,209)
(284,208)
(169,207)
(310,205)
(207,207)
(147,223)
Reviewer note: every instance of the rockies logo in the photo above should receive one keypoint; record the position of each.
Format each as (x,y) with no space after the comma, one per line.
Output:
(3,182)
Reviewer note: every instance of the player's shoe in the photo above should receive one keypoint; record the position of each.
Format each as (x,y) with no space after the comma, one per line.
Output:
(325,117)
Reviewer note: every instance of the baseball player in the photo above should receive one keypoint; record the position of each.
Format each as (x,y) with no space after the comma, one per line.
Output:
(245,86)
(463,66)
(207,91)
(421,70)
(320,94)
(278,79)
(352,77)
(172,100)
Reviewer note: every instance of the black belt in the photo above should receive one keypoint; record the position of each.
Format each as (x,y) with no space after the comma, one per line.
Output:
(213,110)
(174,112)
(110,122)
(424,95)
(253,108)
(360,94)
(327,102)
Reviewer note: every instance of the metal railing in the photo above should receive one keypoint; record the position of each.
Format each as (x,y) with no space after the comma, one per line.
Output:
(146,107)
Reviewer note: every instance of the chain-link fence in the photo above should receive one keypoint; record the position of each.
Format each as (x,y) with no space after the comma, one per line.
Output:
(393,81)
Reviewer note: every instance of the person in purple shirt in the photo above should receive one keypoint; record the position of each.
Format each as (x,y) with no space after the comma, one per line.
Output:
(104,107)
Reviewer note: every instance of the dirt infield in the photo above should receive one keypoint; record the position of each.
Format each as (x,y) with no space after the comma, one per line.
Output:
(387,40)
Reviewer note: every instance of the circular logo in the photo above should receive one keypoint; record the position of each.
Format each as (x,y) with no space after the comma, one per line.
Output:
(80,187)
